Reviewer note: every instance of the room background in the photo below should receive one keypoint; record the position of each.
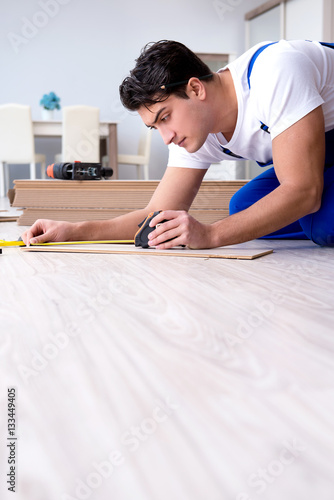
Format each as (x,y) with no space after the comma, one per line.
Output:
(82,50)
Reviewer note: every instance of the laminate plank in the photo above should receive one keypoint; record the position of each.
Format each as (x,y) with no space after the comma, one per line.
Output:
(248,251)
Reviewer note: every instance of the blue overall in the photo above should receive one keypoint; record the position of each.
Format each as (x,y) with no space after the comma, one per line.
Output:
(318,226)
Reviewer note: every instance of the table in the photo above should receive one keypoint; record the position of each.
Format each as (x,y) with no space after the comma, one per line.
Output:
(142,378)
(108,130)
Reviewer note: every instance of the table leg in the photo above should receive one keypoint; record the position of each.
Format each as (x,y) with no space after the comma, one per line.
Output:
(103,148)
(112,149)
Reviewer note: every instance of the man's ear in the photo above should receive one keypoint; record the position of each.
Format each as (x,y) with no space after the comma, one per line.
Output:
(195,85)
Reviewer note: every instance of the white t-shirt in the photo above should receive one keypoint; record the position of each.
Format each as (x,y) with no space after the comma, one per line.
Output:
(288,80)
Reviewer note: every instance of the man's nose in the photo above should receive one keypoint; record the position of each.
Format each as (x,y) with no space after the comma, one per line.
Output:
(167,136)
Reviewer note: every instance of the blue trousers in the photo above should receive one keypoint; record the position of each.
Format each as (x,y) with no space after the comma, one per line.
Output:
(318,227)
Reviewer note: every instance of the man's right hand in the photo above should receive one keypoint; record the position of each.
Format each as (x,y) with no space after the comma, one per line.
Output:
(44,230)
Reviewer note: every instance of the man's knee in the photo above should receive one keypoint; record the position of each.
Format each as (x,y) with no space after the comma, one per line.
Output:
(238,202)
(319,229)
(253,191)
(319,226)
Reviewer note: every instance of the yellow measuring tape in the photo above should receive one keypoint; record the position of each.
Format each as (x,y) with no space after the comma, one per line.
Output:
(19,243)
(4,243)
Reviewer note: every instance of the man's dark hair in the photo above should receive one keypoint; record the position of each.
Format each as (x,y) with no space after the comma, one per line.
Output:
(163,68)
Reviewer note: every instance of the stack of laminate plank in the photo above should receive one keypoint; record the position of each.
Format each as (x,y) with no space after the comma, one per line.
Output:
(76,201)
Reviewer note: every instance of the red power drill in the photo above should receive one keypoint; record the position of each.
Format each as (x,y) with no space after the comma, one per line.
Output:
(78,171)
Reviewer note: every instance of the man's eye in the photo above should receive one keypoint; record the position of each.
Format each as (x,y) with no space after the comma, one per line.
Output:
(164,118)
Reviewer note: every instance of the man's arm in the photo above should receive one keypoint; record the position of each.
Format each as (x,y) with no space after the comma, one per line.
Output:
(298,156)
(176,191)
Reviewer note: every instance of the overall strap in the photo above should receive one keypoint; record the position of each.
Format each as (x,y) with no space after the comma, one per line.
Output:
(229,153)
(329,45)
(263,127)
(255,56)
(253,59)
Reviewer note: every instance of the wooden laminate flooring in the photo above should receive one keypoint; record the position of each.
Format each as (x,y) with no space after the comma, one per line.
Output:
(155,378)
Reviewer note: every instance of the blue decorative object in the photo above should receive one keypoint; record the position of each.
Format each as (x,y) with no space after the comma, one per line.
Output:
(50,101)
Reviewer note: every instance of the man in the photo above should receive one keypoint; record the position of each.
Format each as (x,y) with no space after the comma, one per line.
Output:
(274,104)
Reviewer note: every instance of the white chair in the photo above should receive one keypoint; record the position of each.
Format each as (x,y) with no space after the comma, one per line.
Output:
(143,156)
(17,142)
(80,134)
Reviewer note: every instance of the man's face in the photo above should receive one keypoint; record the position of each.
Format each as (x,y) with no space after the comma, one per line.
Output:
(180,121)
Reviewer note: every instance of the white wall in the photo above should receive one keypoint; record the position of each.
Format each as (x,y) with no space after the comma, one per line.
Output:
(82,50)
(304,19)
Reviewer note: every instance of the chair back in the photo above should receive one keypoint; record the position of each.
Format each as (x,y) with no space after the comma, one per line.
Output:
(144,146)
(81,137)
(16,134)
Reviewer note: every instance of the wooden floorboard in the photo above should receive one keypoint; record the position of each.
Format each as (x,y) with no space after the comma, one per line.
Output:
(245,251)
(149,378)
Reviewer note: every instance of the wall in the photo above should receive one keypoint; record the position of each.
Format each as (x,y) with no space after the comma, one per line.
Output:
(304,19)
(82,49)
